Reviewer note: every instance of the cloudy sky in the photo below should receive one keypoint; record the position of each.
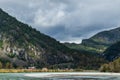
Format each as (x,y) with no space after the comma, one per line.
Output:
(66,20)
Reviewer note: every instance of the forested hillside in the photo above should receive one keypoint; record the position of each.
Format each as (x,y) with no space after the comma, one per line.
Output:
(113,52)
(99,42)
(22,46)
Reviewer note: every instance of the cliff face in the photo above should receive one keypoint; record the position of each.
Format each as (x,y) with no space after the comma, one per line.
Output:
(21,42)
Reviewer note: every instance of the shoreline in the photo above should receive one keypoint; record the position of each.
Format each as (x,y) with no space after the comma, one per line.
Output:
(57,73)
(40,70)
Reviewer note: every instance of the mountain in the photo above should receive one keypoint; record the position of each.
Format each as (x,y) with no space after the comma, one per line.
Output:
(103,39)
(99,42)
(23,46)
(113,52)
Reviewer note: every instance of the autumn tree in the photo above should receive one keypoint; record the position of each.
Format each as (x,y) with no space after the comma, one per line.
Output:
(9,65)
(1,65)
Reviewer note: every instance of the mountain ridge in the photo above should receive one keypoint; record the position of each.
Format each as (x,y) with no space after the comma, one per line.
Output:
(23,46)
(99,42)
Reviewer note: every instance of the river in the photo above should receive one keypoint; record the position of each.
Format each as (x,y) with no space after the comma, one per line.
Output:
(58,76)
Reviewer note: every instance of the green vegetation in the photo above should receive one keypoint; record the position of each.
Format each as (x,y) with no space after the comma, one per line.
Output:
(11,55)
(6,65)
(1,43)
(99,42)
(24,47)
(111,67)
(1,65)
(113,52)
(86,48)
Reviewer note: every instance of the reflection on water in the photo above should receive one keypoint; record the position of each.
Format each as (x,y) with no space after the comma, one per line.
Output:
(20,76)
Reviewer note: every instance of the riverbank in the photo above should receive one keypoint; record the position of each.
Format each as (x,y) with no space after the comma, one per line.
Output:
(43,70)
(91,72)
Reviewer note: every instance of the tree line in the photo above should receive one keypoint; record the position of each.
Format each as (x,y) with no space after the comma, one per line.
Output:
(7,65)
(111,67)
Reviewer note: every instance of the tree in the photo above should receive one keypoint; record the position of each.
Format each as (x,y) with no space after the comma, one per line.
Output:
(9,65)
(105,68)
(111,67)
(1,65)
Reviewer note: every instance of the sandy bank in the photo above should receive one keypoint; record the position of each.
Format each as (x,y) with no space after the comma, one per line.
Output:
(71,74)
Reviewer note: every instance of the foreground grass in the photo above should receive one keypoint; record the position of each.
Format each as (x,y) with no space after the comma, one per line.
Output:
(29,70)
(38,70)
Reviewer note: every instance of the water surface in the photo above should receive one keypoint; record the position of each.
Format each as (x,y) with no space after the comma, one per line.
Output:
(21,76)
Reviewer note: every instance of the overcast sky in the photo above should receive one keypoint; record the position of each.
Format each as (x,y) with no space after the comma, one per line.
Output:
(66,20)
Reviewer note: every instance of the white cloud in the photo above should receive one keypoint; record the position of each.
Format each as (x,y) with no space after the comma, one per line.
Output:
(48,18)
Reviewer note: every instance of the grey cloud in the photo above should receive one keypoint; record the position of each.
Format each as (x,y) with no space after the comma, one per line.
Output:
(66,20)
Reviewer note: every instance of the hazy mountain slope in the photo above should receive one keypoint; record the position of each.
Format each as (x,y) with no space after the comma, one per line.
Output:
(99,42)
(24,46)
